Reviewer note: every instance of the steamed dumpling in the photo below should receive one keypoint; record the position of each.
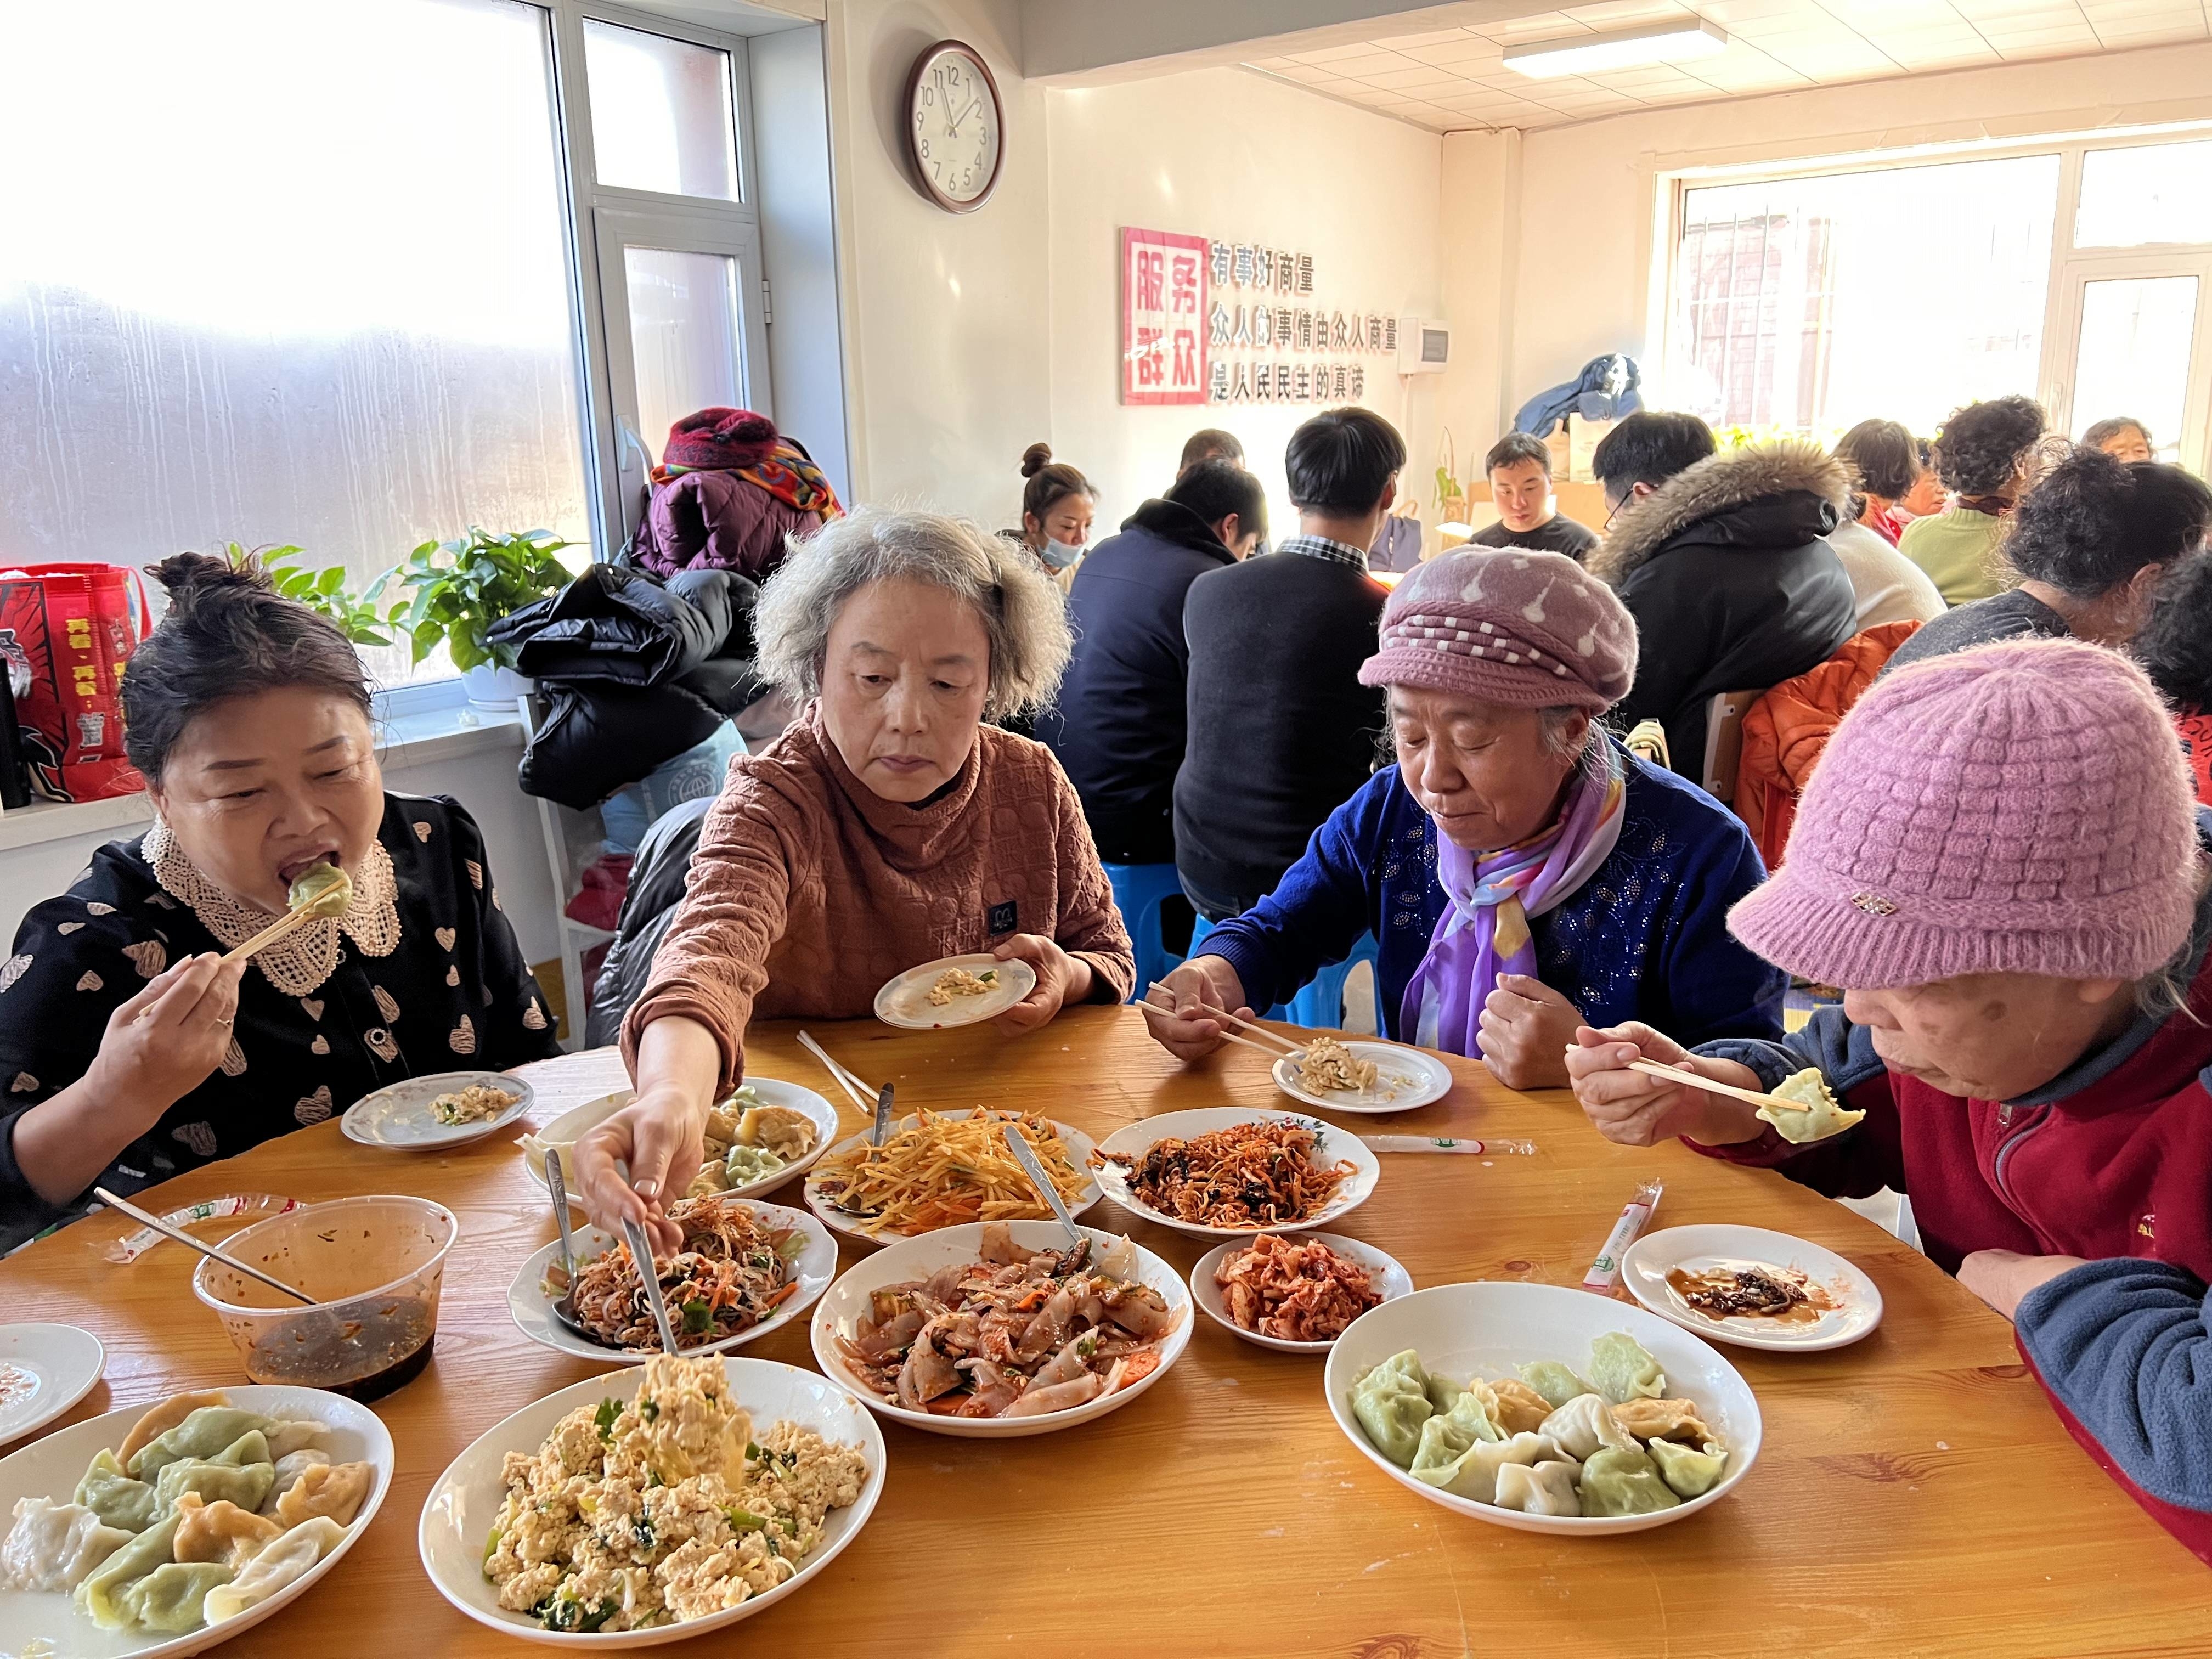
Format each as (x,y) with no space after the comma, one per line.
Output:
(337,1489)
(1443,1392)
(115,1498)
(53,1547)
(242,1474)
(289,1469)
(161,1419)
(1825,1118)
(1622,1369)
(1662,1420)
(1515,1407)
(203,1433)
(1553,1381)
(170,1597)
(1586,1424)
(100,1593)
(1546,1489)
(281,1563)
(1473,1473)
(1687,1471)
(220,1531)
(287,1439)
(1392,1402)
(1624,1480)
(1447,1437)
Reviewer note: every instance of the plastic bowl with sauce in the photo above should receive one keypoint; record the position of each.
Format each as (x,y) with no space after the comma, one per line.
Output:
(374,1266)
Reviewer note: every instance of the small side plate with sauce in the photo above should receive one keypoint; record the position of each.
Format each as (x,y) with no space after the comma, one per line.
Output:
(44,1371)
(1796,1295)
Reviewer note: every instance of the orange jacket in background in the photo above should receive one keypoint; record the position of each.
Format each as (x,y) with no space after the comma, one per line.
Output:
(1785,731)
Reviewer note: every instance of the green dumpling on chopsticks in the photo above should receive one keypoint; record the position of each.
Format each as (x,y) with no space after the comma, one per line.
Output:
(1824,1116)
(322,889)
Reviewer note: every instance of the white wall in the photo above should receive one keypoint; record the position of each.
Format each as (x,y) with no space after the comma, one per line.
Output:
(1234,156)
(1582,257)
(946,330)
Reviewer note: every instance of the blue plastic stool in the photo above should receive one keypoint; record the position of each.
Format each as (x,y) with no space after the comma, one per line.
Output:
(1139,891)
(1320,1004)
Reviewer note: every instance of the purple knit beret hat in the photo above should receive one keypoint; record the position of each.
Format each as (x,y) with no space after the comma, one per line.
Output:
(719,440)
(1508,625)
(2019,808)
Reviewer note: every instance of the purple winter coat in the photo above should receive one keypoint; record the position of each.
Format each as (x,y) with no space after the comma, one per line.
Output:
(710,520)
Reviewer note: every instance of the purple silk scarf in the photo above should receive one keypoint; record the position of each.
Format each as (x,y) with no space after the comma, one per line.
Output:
(1484,931)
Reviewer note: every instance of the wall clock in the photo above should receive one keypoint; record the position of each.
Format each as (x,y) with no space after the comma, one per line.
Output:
(956,131)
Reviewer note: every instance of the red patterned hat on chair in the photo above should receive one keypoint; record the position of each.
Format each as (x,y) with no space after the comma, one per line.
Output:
(719,440)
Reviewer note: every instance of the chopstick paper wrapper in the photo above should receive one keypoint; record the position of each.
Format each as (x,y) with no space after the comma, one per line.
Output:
(1635,1217)
(131,1246)
(1443,1144)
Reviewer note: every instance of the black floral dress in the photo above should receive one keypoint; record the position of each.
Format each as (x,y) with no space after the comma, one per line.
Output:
(447,990)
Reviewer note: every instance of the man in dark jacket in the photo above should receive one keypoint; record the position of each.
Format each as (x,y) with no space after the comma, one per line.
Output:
(1119,726)
(1281,731)
(1719,558)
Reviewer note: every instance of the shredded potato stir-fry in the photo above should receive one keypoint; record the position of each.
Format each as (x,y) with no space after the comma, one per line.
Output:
(941,1172)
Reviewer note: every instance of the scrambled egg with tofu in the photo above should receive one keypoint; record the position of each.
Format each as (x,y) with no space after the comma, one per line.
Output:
(662,1510)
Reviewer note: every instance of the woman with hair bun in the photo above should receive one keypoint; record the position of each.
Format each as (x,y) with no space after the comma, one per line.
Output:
(1058,504)
(132,1052)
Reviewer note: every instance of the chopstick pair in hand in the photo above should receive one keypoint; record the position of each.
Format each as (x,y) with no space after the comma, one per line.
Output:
(1675,1074)
(1284,1045)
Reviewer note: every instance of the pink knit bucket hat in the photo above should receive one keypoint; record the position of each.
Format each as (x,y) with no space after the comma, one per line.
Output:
(1508,625)
(2021,808)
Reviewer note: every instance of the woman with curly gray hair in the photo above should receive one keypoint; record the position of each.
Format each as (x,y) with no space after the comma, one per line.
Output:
(889,826)
(1986,456)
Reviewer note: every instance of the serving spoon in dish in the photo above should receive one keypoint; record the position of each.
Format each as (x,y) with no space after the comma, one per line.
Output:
(1041,1181)
(564,1307)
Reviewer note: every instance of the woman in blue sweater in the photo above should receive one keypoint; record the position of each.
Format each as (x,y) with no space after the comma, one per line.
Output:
(1522,872)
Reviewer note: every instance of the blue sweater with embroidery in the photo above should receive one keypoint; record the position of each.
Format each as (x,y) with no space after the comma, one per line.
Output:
(1645,937)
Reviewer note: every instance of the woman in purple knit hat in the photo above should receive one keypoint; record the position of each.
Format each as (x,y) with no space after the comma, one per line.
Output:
(1998,858)
(730,493)
(1522,873)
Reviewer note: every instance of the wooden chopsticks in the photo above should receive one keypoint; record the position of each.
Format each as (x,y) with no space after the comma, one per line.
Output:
(1285,1046)
(268,935)
(1653,1068)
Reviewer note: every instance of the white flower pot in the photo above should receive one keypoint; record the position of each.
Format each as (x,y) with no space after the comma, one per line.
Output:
(490,686)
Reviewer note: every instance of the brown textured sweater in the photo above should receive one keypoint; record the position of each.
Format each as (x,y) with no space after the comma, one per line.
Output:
(809,890)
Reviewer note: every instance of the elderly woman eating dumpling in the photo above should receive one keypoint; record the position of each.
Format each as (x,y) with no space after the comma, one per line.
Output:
(1522,872)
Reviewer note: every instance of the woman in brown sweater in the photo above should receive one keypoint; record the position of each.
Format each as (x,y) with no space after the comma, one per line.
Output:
(888,827)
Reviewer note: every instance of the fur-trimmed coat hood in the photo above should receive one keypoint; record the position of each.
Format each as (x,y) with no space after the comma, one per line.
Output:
(1779,494)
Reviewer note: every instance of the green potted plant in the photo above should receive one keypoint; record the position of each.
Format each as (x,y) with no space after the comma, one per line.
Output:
(453,592)
(321,590)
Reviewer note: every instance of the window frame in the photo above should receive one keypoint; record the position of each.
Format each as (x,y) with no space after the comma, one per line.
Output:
(2069,263)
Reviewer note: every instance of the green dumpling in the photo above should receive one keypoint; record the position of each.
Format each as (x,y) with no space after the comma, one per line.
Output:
(1622,1480)
(240,1475)
(1474,1472)
(1392,1402)
(1553,1381)
(1443,1392)
(115,1497)
(1623,1371)
(1828,1116)
(204,1434)
(100,1594)
(171,1598)
(1689,1473)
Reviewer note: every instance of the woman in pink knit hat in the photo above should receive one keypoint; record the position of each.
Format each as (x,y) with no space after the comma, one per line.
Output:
(1522,873)
(1998,858)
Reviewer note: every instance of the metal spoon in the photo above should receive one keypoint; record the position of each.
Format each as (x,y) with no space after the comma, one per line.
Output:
(564,1309)
(882,1117)
(642,1253)
(1043,1182)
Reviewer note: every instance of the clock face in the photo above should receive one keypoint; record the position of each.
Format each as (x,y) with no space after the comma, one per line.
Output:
(955,128)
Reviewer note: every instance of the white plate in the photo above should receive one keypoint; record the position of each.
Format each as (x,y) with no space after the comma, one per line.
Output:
(1078,1145)
(566,1130)
(904,1001)
(1489,1328)
(532,1310)
(1405,1077)
(397,1115)
(1859,1304)
(61,1363)
(1391,1278)
(51,1467)
(462,1504)
(1336,1145)
(917,1258)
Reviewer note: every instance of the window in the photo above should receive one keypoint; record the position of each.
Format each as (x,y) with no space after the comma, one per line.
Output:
(2147,193)
(293,275)
(662,116)
(1809,304)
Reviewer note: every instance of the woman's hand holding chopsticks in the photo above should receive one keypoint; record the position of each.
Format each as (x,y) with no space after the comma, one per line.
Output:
(1637,1110)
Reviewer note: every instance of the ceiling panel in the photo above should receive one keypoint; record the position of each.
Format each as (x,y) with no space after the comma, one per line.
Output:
(1450,80)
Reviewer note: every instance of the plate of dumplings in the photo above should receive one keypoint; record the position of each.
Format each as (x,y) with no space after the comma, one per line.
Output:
(1542,1408)
(165,1530)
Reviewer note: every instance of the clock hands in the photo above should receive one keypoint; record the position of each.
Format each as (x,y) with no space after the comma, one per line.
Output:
(953,130)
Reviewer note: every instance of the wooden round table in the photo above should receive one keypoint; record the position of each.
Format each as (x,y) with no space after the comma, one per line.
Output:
(1914,1494)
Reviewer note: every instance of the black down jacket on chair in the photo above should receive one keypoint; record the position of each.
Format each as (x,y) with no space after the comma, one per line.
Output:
(656,888)
(635,672)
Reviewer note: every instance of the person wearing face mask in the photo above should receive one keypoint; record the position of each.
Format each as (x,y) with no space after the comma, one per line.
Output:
(1521,869)
(135,1054)
(1998,860)
(888,827)
(1058,504)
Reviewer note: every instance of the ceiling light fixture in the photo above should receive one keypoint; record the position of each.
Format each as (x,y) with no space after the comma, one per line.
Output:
(1595,54)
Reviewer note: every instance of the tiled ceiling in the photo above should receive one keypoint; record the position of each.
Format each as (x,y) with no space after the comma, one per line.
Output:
(1455,80)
